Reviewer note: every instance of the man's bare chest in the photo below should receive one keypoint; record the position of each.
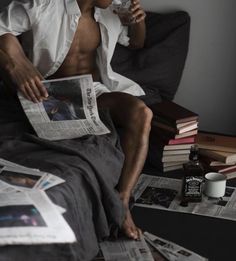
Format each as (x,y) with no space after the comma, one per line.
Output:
(86,38)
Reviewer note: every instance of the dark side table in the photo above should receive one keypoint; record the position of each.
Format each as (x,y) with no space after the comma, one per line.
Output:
(212,238)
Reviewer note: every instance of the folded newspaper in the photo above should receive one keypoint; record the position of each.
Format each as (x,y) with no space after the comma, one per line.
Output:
(15,177)
(69,112)
(31,218)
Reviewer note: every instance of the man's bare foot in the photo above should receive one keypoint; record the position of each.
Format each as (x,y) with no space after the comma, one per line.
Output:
(129,228)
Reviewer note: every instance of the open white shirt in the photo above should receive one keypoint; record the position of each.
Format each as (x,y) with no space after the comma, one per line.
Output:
(47,28)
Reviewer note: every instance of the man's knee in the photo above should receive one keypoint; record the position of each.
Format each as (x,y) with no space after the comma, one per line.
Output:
(141,116)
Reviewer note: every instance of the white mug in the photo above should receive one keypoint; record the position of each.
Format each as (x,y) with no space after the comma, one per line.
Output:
(215,184)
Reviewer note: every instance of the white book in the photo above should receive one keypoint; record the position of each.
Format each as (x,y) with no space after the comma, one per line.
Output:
(182,157)
(175,152)
(178,147)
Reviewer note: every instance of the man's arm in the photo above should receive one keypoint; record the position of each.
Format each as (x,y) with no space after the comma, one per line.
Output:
(18,70)
(137,30)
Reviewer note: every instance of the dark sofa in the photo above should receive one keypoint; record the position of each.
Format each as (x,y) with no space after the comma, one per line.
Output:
(91,165)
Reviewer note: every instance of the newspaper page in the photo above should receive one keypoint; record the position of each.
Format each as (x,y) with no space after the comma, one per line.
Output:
(69,112)
(21,178)
(7,163)
(172,251)
(165,194)
(31,218)
(126,250)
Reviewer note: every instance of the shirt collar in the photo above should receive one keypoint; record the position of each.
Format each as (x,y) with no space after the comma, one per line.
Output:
(72,7)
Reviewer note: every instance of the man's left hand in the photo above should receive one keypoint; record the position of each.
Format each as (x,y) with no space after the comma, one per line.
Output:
(138,13)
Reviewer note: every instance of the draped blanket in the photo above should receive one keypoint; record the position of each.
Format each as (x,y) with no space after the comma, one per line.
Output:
(91,167)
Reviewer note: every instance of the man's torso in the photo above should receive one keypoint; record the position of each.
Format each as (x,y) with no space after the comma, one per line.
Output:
(81,57)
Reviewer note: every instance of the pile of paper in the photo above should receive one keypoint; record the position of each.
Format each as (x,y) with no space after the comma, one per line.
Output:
(149,248)
(27,215)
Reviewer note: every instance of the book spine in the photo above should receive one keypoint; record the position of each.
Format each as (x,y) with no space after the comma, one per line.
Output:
(187,140)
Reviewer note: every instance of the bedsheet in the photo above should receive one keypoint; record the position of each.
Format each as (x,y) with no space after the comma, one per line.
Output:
(91,167)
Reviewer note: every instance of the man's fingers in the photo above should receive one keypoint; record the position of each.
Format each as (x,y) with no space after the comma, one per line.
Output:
(140,233)
(35,90)
(135,8)
(139,16)
(41,88)
(25,94)
(30,93)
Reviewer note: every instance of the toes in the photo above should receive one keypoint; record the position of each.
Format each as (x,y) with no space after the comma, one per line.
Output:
(131,232)
(140,233)
(129,228)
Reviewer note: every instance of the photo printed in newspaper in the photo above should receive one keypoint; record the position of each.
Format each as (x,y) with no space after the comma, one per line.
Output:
(70,111)
(172,251)
(31,218)
(165,193)
(15,177)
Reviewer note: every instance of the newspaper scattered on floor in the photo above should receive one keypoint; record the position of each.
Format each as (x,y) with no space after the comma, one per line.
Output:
(126,250)
(14,177)
(165,194)
(170,250)
(31,218)
(69,112)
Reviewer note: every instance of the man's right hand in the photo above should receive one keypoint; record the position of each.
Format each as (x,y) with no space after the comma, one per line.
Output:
(19,71)
(27,79)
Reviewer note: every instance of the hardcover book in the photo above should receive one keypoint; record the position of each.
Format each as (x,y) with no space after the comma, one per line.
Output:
(187,140)
(222,156)
(178,147)
(216,142)
(229,172)
(167,135)
(181,157)
(188,127)
(173,113)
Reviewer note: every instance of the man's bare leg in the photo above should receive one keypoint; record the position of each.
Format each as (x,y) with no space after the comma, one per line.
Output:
(134,117)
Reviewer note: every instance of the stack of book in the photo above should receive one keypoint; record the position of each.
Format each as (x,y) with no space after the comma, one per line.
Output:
(218,152)
(174,130)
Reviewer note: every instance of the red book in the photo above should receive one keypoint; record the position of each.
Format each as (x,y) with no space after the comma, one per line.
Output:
(229,172)
(186,140)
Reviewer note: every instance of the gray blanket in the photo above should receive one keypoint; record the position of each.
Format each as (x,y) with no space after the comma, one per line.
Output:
(91,167)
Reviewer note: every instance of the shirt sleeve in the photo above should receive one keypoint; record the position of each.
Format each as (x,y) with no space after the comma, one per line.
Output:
(19,16)
(123,36)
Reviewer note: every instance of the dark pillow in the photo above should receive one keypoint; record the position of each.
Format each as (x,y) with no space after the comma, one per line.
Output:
(159,65)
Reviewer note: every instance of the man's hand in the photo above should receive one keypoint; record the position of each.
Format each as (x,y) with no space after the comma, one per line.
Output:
(138,13)
(137,29)
(27,79)
(19,71)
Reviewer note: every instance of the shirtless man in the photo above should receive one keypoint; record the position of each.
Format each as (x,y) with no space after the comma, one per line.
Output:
(58,51)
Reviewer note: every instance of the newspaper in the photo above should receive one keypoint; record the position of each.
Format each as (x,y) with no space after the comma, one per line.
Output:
(14,177)
(172,251)
(7,163)
(126,250)
(165,194)
(69,112)
(31,218)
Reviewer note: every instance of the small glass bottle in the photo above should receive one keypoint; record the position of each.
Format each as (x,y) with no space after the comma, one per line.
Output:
(193,178)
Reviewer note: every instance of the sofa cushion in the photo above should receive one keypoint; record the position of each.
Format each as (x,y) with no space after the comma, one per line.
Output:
(159,65)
